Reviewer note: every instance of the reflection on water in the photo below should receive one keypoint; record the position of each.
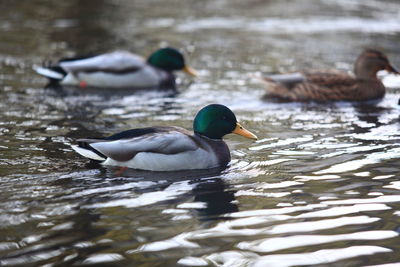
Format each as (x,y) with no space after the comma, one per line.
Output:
(217,198)
(320,186)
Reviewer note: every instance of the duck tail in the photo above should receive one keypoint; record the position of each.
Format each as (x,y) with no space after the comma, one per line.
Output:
(50,71)
(275,89)
(265,80)
(270,84)
(85,149)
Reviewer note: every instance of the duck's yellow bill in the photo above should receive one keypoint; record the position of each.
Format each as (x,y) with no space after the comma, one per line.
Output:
(243,132)
(190,71)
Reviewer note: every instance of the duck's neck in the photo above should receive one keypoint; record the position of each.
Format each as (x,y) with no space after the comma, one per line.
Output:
(219,148)
(209,138)
(364,73)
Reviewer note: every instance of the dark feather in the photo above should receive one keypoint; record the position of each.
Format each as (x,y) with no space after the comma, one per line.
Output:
(59,70)
(136,133)
(86,145)
(67,59)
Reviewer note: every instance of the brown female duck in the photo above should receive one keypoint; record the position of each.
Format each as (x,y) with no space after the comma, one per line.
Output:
(333,85)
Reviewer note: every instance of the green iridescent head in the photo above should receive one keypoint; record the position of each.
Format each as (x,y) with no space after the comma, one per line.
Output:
(170,59)
(215,120)
(167,59)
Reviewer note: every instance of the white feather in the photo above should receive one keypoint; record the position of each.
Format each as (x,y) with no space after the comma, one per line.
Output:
(189,160)
(163,142)
(70,79)
(288,77)
(86,153)
(49,73)
(145,77)
(118,60)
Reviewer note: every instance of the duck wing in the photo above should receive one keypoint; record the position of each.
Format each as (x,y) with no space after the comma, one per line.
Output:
(114,62)
(328,85)
(125,145)
(287,79)
(330,78)
(313,85)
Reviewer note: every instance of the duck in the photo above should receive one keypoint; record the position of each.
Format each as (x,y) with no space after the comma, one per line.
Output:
(169,148)
(118,69)
(333,85)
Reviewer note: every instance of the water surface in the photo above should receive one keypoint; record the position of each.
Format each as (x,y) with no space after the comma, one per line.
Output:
(319,187)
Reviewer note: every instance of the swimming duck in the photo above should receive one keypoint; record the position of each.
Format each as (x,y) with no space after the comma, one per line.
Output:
(333,85)
(118,69)
(169,148)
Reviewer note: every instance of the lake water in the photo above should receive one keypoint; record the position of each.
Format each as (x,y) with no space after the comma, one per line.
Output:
(319,187)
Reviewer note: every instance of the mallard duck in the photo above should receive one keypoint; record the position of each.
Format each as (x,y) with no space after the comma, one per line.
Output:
(169,148)
(333,85)
(118,69)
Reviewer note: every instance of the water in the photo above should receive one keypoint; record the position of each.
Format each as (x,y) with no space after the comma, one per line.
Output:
(320,186)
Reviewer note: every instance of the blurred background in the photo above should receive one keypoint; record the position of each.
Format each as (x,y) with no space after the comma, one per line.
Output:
(319,187)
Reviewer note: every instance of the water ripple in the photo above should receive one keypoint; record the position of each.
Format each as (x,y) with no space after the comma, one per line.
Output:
(281,243)
(308,25)
(320,186)
(324,256)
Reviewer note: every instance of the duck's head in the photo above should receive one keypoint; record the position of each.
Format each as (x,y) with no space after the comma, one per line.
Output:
(214,121)
(170,59)
(370,62)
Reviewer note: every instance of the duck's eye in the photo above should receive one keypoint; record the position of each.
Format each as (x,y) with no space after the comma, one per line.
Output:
(224,118)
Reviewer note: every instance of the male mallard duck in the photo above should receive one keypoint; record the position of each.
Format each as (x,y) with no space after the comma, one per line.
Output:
(331,85)
(169,148)
(118,69)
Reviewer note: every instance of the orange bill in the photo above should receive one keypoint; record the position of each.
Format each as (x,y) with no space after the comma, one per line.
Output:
(190,71)
(243,132)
